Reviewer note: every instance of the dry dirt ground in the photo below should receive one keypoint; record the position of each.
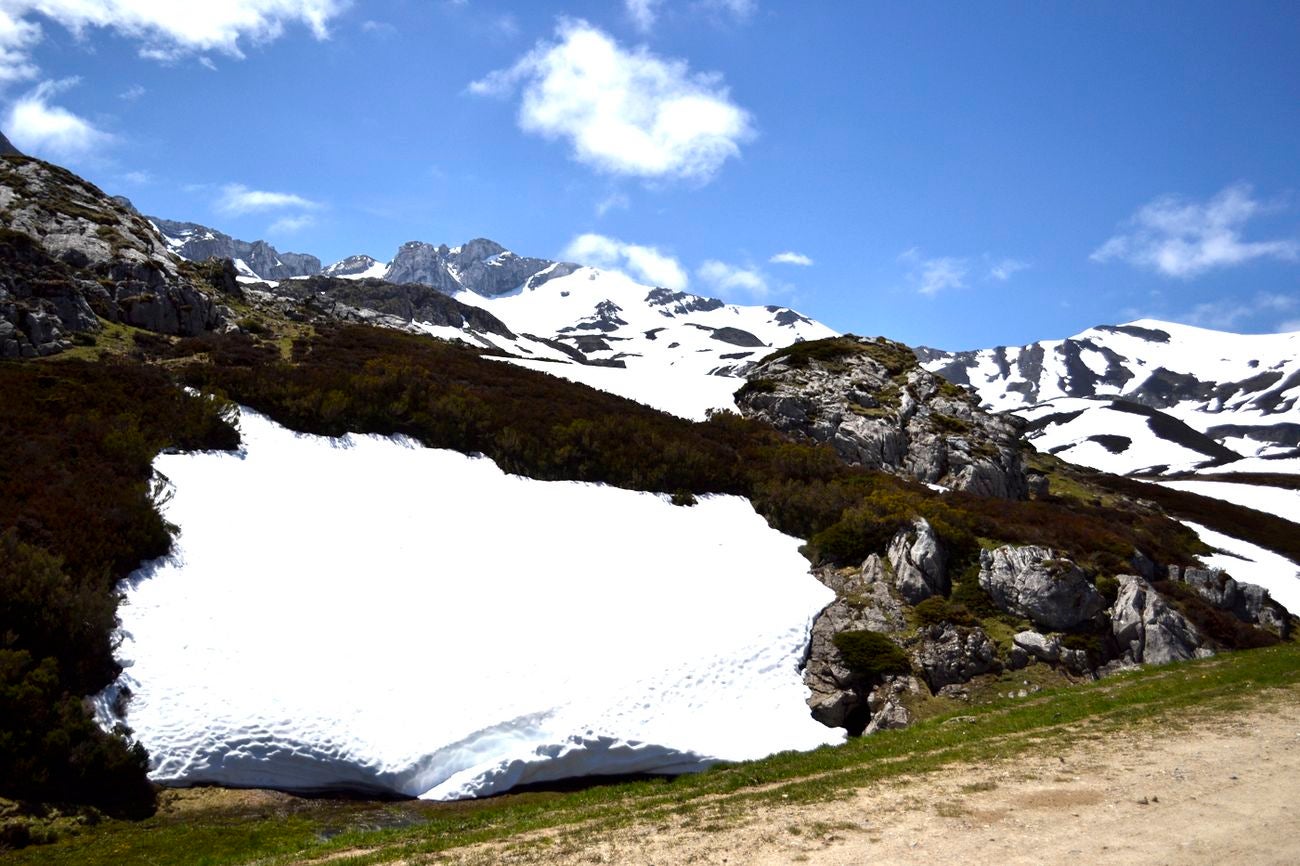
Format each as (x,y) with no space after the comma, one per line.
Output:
(1223,790)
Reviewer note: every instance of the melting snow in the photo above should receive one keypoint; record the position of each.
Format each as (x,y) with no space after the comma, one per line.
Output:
(1249,563)
(361,613)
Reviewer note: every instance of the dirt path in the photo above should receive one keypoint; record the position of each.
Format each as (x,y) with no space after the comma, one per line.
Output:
(1220,791)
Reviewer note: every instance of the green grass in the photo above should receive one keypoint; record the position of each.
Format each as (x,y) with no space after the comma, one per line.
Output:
(294,829)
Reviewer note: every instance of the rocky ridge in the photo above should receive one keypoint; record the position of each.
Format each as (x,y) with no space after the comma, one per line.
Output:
(256,259)
(480,266)
(872,402)
(71,256)
(1216,396)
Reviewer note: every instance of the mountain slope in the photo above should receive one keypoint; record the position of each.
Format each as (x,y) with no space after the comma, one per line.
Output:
(1241,391)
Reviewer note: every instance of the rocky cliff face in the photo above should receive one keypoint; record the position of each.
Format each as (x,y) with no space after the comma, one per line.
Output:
(256,259)
(1065,624)
(69,256)
(874,404)
(480,266)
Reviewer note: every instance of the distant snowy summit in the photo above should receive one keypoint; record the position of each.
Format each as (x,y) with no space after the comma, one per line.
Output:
(1147,396)
(674,350)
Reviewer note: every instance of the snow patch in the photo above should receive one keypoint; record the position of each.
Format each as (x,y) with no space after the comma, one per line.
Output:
(365,614)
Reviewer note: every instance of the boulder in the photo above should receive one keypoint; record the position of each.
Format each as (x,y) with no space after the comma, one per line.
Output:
(885,703)
(919,563)
(1033,582)
(1148,629)
(1052,651)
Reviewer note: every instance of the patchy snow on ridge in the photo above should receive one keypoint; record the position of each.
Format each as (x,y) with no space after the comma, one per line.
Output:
(360,613)
(1271,500)
(1249,563)
(684,394)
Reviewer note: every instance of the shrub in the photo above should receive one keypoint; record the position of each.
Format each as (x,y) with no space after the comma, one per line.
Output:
(936,610)
(870,654)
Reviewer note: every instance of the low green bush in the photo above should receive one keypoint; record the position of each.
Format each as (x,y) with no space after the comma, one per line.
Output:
(871,655)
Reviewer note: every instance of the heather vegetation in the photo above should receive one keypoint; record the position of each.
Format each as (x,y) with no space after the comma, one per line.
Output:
(77,441)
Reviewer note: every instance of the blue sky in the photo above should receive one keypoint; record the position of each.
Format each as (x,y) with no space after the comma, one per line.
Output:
(955,175)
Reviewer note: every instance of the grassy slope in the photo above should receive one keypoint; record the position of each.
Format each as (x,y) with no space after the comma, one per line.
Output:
(292,830)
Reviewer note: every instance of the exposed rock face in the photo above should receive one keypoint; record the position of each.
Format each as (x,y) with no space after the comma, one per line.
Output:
(949,654)
(1246,601)
(198,243)
(7,149)
(1148,630)
(875,405)
(1051,650)
(885,703)
(864,602)
(69,253)
(919,563)
(404,302)
(1032,582)
(480,266)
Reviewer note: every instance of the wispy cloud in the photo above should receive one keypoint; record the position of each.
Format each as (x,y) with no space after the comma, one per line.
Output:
(613,201)
(132,93)
(929,276)
(723,277)
(1005,269)
(291,224)
(643,13)
(238,199)
(37,127)
(1181,238)
(645,263)
(791,258)
(623,111)
(378,29)
(1261,310)
(1289,326)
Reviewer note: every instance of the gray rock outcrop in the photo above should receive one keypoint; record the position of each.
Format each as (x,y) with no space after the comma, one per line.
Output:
(919,563)
(1246,601)
(6,148)
(947,655)
(1148,629)
(873,403)
(1033,582)
(69,255)
(864,601)
(406,303)
(1051,650)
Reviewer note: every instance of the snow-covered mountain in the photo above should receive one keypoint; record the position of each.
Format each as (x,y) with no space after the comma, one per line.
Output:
(257,260)
(356,268)
(1147,396)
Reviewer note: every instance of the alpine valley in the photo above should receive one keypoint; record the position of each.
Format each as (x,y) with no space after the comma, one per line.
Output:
(468,520)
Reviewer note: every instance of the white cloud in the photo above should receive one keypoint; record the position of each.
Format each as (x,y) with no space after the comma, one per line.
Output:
(1181,238)
(138,178)
(17,37)
(1289,326)
(378,29)
(724,277)
(647,264)
(167,30)
(238,199)
(935,275)
(623,111)
(291,224)
(132,93)
(613,201)
(1006,268)
(791,258)
(37,127)
(643,13)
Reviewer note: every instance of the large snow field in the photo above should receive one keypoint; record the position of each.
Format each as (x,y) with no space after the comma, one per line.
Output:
(367,614)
